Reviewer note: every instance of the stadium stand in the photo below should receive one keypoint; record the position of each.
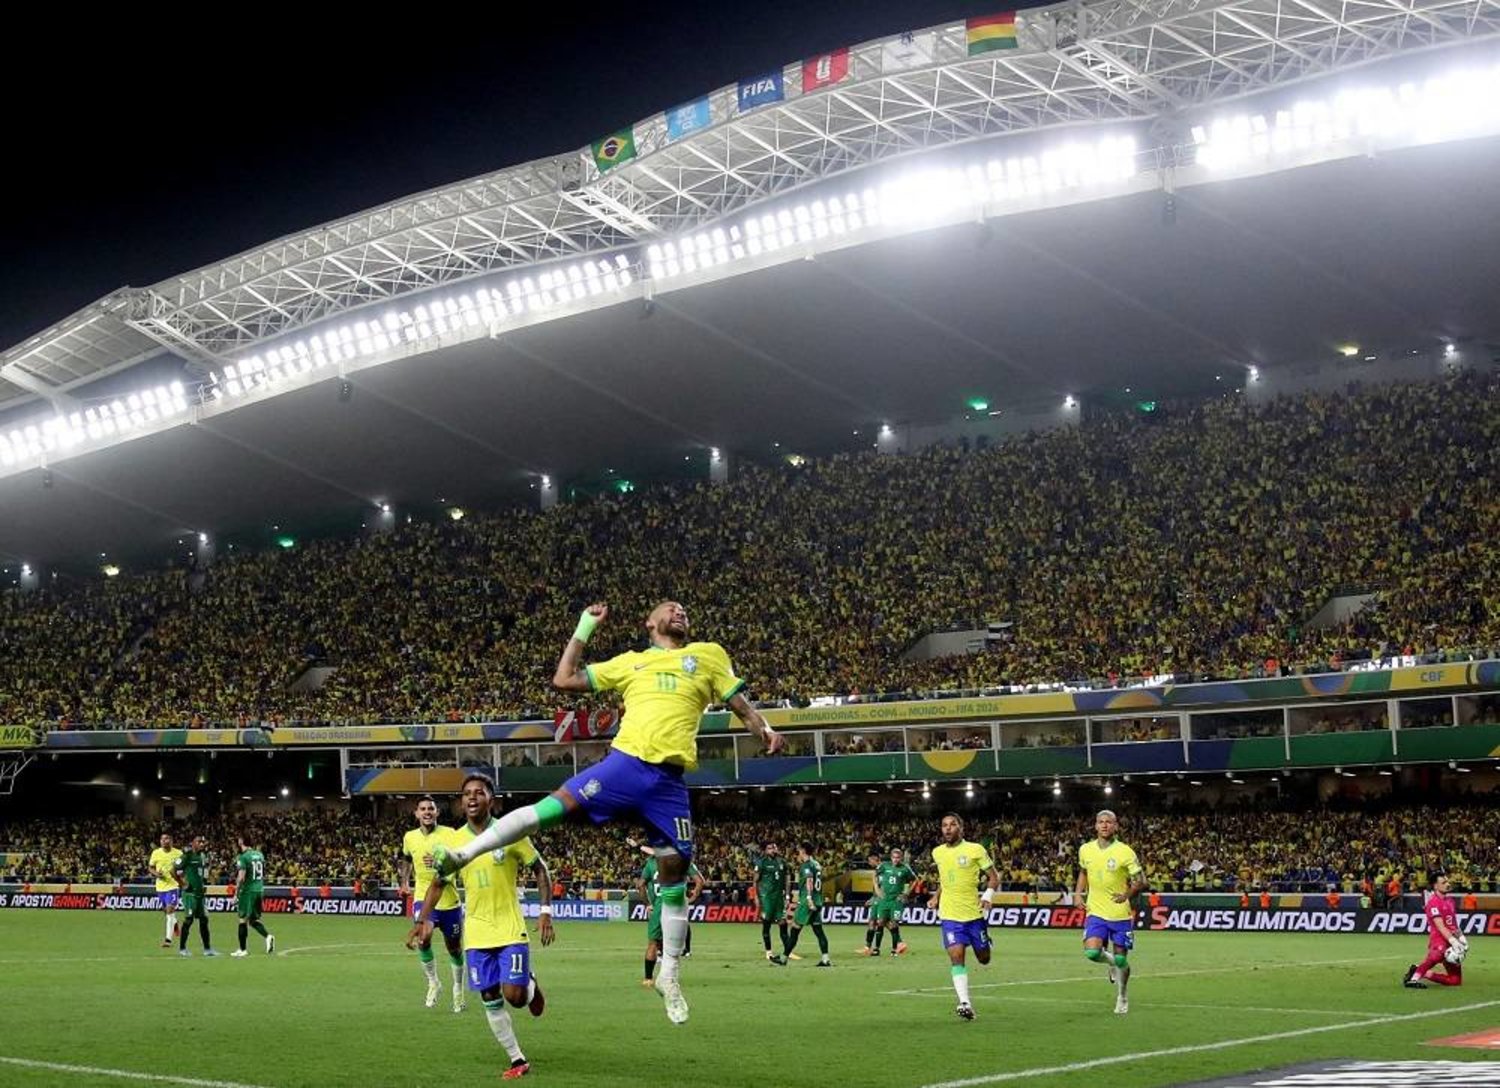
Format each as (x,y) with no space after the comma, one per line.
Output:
(1280,849)
(1194,541)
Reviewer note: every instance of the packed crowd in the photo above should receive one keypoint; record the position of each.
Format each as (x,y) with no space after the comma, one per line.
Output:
(1218,850)
(1196,541)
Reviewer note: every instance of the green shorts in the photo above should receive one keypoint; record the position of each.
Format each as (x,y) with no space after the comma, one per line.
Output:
(772,909)
(249,903)
(885,910)
(808,914)
(653,925)
(194,905)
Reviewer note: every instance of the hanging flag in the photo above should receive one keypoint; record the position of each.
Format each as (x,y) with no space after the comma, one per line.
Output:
(687,118)
(912,49)
(613,150)
(825,70)
(991,32)
(758,90)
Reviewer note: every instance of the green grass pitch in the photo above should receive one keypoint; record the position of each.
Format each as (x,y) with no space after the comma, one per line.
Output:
(341,1004)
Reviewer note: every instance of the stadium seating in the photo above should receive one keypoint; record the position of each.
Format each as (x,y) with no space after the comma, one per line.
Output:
(1220,850)
(1196,540)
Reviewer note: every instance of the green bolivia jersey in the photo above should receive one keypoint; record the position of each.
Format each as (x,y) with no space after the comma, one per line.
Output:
(652,880)
(254,864)
(890,879)
(191,865)
(810,872)
(770,877)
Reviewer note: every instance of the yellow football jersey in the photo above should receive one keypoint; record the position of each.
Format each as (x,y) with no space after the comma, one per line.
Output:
(666,692)
(1110,870)
(960,871)
(162,863)
(417,844)
(492,908)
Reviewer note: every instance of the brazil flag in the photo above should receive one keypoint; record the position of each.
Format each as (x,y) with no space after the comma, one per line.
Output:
(614,149)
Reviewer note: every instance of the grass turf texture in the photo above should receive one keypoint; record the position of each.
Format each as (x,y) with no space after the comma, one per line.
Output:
(341,1003)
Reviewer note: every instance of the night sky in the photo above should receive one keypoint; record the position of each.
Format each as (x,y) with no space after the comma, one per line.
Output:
(144,146)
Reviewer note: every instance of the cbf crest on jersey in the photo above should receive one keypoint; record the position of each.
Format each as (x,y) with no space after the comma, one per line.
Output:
(689,664)
(963,861)
(1111,864)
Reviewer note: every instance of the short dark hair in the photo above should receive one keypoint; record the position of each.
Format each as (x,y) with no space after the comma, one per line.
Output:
(478,776)
(427,797)
(768,844)
(956,817)
(807,845)
(1439,876)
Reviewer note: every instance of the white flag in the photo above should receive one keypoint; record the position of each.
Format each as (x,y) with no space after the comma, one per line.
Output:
(1197,866)
(913,49)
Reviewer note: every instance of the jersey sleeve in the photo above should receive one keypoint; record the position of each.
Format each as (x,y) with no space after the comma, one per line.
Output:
(177,865)
(725,684)
(1132,863)
(986,863)
(526,853)
(608,675)
(406,847)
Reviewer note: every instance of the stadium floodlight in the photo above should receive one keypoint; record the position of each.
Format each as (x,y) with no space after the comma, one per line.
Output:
(1069,402)
(1450,349)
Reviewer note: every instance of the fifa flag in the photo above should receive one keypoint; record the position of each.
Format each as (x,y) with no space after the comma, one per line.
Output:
(914,49)
(614,149)
(688,118)
(990,32)
(825,70)
(759,90)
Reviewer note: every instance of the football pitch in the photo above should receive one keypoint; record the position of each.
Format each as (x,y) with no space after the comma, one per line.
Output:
(91,1002)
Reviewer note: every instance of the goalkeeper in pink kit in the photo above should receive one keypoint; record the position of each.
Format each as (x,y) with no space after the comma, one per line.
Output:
(1445,944)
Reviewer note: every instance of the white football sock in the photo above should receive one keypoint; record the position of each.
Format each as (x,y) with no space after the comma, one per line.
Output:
(458,975)
(530,989)
(429,968)
(514,826)
(961,985)
(171,925)
(674,931)
(505,1032)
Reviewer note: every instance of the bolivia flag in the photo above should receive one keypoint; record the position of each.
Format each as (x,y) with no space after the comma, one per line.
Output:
(613,150)
(991,32)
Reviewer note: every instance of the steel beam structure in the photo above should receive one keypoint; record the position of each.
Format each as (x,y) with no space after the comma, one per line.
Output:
(1085,62)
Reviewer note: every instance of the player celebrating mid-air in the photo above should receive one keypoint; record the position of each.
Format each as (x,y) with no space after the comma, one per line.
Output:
(770,896)
(1110,875)
(495,939)
(250,886)
(189,871)
(1445,944)
(649,886)
(667,686)
(893,879)
(447,916)
(162,863)
(962,908)
(809,905)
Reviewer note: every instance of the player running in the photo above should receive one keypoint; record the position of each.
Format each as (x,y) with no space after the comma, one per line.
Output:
(962,908)
(808,904)
(667,686)
(1445,944)
(770,897)
(250,884)
(1110,875)
(162,864)
(415,875)
(648,884)
(893,879)
(189,871)
(495,940)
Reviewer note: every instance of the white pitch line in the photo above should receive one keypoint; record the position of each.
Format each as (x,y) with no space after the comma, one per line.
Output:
(1199,1048)
(1148,1004)
(122,1074)
(1095,977)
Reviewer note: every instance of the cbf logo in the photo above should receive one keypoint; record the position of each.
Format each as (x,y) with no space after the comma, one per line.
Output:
(1112,864)
(963,861)
(690,664)
(591,787)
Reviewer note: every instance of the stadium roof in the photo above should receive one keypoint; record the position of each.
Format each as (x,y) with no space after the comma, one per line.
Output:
(1070,291)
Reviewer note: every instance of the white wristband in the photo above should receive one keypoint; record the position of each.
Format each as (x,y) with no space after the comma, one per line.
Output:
(543,910)
(987,896)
